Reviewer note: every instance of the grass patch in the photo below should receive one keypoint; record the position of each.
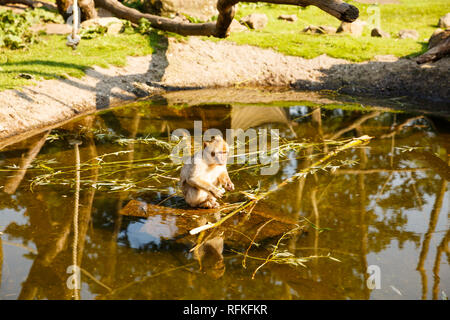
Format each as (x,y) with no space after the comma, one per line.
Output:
(286,37)
(52,59)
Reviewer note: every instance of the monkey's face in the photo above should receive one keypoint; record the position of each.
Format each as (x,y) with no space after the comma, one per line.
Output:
(220,157)
(216,151)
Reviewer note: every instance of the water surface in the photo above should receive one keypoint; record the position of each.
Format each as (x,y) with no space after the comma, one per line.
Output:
(385,204)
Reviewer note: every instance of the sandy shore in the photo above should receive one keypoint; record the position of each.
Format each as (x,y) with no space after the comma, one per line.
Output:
(206,64)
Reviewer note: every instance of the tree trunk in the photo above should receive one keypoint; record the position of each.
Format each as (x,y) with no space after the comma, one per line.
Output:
(226,8)
(87,8)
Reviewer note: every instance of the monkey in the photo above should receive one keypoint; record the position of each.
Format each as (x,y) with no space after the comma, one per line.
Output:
(202,179)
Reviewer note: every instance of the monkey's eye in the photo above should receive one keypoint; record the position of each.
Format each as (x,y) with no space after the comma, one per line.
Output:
(213,154)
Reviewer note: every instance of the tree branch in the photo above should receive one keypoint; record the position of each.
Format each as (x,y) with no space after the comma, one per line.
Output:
(227,10)
(157,22)
(355,124)
(341,10)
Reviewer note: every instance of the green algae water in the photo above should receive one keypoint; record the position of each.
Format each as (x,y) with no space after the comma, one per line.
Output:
(373,224)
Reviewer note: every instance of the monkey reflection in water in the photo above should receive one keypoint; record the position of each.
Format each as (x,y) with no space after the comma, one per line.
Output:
(202,179)
(210,258)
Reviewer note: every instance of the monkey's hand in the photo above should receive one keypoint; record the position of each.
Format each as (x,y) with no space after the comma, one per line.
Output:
(217,192)
(229,185)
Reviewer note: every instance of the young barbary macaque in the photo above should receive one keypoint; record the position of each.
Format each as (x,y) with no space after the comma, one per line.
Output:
(202,180)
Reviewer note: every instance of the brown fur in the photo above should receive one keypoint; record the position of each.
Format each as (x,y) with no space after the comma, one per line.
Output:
(202,179)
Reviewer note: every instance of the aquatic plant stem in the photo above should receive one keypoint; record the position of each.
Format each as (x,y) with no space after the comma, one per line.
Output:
(253,241)
(272,254)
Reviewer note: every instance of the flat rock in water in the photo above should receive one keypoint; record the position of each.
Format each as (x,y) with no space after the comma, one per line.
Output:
(255,21)
(377,32)
(408,34)
(444,21)
(189,219)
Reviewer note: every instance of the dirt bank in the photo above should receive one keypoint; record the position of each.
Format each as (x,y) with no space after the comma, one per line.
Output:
(206,64)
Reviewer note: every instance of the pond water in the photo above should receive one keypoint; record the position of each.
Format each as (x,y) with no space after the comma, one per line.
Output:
(372,224)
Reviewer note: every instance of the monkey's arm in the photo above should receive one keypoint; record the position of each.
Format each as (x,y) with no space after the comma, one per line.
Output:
(198,182)
(226,181)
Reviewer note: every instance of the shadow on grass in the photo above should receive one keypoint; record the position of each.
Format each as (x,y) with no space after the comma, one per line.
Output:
(418,53)
(46,63)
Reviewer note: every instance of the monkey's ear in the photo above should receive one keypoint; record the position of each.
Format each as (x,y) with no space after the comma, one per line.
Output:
(205,144)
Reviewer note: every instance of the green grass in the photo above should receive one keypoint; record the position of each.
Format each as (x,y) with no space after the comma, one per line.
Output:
(52,59)
(286,37)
